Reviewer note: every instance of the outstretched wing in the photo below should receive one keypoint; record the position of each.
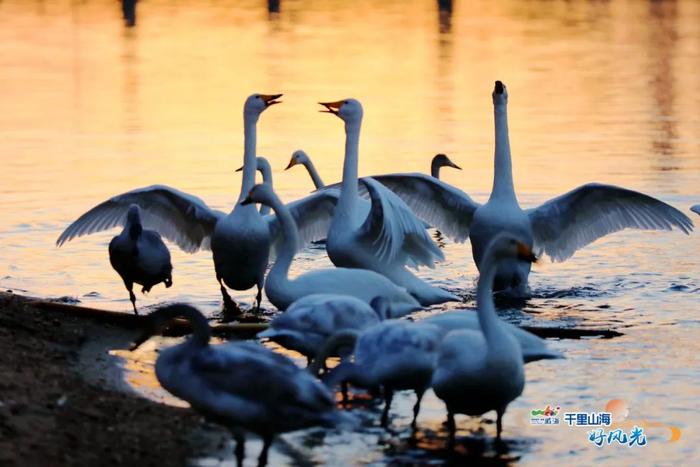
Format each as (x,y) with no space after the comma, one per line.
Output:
(441,205)
(394,230)
(181,218)
(573,220)
(312,214)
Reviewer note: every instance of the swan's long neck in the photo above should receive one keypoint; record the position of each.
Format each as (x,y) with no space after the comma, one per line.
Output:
(503,167)
(201,332)
(488,320)
(348,194)
(266,172)
(315,177)
(290,243)
(249,154)
(435,169)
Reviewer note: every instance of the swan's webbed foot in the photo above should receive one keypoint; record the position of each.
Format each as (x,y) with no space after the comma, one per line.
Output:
(388,396)
(451,430)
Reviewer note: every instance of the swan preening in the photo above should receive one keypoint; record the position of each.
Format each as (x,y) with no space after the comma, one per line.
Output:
(242,385)
(360,283)
(140,256)
(558,227)
(390,237)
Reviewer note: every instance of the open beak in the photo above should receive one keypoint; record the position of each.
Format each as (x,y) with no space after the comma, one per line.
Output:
(292,163)
(270,99)
(246,201)
(331,107)
(525,253)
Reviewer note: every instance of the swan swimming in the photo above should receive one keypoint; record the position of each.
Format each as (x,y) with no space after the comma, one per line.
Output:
(308,322)
(241,385)
(361,283)
(240,241)
(558,227)
(391,236)
(395,354)
(479,371)
(140,256)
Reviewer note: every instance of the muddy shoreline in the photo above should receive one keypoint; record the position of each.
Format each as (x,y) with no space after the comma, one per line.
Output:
(63,401)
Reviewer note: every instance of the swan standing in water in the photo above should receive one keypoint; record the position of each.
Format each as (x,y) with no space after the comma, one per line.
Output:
(240,240)
(242,385)
(308,322)
(361,283)
(479,371)
(262,166)
(390,237)
(439,161)
(558,227)
(140,256)
(395,354)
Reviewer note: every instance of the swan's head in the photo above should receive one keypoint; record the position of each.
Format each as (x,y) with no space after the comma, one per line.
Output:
(159,319)
(349,110)
(298,157)
(260,194)
(261,164)
(509,246)
(257,103)
(441,160)
(500,93)
(133,215)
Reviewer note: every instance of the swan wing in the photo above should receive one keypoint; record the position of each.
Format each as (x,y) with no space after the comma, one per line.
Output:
(312,214)
(573,220)
(439,204)
(253,372)
(393,229)
(180,217)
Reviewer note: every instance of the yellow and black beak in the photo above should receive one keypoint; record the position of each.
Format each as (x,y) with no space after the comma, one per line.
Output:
(292,163)
(525,253)
(453,165)
(332,107)
(270,99)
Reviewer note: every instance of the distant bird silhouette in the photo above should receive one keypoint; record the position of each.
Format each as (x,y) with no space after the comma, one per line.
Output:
(140,256)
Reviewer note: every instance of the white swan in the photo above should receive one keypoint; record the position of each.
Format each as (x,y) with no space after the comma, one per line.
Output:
(308,322)
(242,385)
(479,371)
(240,240)
(533,347)
(441,160)
(558,227)
(140,256)
(263,166)
(395,354)
(361,283)
(390,237)
(696,209)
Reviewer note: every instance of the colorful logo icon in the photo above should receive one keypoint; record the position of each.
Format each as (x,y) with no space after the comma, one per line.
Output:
(547,416)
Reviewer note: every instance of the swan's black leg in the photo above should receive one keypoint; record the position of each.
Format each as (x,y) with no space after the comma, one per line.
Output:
(388,396)
(258,299)
(499,424)
(451,430)
(231,309)
(240,448)
(416,408)
(132,297)
(344,391)
(262,460)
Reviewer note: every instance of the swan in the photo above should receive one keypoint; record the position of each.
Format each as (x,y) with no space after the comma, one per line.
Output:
(308,322)
(395,354)
(391,236)
(300,157)
(696,209)
(263,166)
(441,160)
(240,241)
(559,227)
(140,256)
(479,371)
(361,283)
(242,385)
(533,347)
